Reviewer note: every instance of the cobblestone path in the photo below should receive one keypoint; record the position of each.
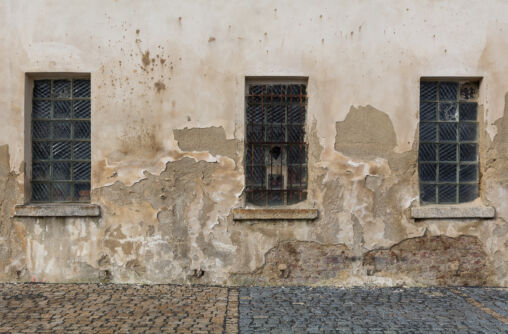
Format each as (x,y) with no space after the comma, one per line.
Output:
(97,308)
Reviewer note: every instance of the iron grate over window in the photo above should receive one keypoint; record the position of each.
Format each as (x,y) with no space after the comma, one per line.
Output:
(275,149)
(448,150)
(61,140)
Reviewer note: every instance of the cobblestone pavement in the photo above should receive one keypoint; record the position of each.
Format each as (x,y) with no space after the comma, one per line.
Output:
(110,308)
(95,308)
(383,310)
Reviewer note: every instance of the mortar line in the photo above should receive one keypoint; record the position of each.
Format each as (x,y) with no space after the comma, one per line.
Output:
(226,313)
(480,305)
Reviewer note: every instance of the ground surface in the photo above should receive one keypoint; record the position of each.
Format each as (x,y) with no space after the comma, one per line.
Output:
(95,308)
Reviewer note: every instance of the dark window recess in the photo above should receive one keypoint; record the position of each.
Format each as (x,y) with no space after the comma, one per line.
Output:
(61,141)
(275,149)
(448,150)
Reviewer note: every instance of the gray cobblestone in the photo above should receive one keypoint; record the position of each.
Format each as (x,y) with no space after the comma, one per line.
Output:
(388,310)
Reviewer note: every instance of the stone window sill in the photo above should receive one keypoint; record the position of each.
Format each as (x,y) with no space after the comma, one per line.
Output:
(57,210)
(452,211)
(275,214)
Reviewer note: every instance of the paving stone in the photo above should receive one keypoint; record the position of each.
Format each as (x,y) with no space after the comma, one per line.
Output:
(382,310)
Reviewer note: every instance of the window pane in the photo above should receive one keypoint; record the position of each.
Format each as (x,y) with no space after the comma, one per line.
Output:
(468,192)
(42,88)
(428,193)
(448,91)
(61,192)
(40,171)
(448,132)
(82,150)
(447,193)
(254,155)
(428,111)
(447,173)
(61,130)
(255,133)
(82,129)
(276,133)
(468,111)
(447,152)
(61,89)
(40,192)
(62,109)
(428,91)
(41,130)
(428,131)
(82,109)
(467,131)
(61,150)
(468,173)
(82,191)
(81,88)
(448,112)
(41,109)
(40,151)
(81,171)
(427,152)
(62,171)
(427,172)
(468,152)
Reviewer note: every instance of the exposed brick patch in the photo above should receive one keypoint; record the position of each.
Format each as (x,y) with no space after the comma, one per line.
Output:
(303,262)
(436,260)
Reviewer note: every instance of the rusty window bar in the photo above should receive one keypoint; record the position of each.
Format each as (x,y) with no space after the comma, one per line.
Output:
(276,153)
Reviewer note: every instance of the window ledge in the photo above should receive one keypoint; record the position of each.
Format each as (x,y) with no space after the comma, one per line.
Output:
(275,214)
(57,210)
(443,212)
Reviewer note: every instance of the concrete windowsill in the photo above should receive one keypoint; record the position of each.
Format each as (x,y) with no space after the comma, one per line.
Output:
(58,210)
(275,214)
(451,211)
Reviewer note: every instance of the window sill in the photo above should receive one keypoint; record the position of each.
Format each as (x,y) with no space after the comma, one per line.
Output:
(57,210)
(275,214)
(452,211)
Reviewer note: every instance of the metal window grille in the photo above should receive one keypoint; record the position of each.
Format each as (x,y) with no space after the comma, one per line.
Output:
(275,148)
(448,149)
(61,140)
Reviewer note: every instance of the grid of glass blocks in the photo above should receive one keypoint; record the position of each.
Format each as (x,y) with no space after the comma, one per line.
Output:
(448,149)
(275,148)
(61,140)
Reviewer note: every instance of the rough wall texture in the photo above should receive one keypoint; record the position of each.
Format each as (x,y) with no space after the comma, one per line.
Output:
(168,133)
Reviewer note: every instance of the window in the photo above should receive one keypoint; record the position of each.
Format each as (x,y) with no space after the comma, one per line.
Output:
(61,140)
(448,150)
(275,148)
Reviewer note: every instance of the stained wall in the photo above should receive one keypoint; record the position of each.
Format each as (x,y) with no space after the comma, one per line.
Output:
(168,85)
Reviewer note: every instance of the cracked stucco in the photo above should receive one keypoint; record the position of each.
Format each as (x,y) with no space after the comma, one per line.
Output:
(168,131)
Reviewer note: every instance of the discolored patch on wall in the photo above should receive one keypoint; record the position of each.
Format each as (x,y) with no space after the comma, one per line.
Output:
(432,260)
(365,133)
(212,139)
(300,262)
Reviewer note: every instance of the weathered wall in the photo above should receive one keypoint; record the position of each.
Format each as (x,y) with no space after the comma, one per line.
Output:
(168,130)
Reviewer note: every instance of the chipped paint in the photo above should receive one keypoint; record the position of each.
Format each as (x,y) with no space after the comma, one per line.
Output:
(168,135)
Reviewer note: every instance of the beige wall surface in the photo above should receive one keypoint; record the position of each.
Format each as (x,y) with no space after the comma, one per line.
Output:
(168,86)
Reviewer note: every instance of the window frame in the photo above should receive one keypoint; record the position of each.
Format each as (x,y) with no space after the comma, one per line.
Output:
(275,80)
(458,162)
(30,79)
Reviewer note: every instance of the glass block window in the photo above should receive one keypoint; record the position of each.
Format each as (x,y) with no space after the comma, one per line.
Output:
(275,148)
(61,140)
(448,150)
